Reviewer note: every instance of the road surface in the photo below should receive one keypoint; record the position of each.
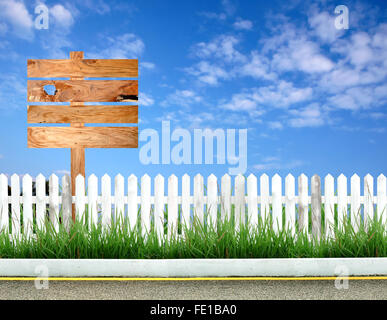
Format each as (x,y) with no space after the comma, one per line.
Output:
(204,290)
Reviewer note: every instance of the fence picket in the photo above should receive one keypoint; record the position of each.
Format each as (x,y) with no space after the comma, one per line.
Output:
(159,206)
(27,206)
(382,199)
(80,196)
(54,201)
(316,206)
(368,199)
(265,200)
(252,200)
(119,200)
(303,203)
(212,200)
(290,202)
(145,204)
(40,201)
(277,202)
(132,202)
(106,201)
(198,198)
(186,201)
(355,202)
(172,206)
(66,201)
(15,204)
(4,220)
(240,201)
(225,198)
(92,191)
(329,206)
(342,200)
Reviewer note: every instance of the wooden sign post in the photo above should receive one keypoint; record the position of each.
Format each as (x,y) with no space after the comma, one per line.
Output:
(76,91)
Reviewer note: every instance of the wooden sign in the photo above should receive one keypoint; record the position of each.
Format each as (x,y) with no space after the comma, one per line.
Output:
(76,91)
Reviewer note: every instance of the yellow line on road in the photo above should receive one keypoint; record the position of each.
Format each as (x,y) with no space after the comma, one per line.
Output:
(191,279)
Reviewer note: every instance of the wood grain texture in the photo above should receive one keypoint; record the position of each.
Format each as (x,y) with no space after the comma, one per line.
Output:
(83,90)
(78,160)
(97,68)
(82,137)
(82,114)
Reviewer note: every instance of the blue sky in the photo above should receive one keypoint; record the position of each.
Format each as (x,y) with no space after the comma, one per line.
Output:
(312,97)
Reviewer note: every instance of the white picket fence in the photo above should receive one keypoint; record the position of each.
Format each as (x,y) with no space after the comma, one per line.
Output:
(138,203)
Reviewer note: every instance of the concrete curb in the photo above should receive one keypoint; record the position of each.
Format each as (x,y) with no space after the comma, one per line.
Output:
(294,267)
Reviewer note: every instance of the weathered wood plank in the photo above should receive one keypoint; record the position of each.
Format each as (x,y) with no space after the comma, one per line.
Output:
(83,90)
(83,137)
(97,68)
(66,202)
(83,114)
(316,206)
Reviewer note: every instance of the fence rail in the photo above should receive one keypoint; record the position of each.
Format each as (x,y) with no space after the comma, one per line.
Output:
(20,205)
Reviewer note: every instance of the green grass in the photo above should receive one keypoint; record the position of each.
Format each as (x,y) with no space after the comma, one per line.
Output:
(201,241)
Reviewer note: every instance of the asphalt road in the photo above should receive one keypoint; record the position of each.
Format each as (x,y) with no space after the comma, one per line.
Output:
(203,290)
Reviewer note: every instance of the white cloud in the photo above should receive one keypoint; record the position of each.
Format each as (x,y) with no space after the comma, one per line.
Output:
(63,172)
(278,165)
(213,15)
(147,65)
(62,16)
(309,116)
(301,55)
(241,24)
(125,46)
(275,125)
(228,7)
(16,14)
(207,73)
(145,99)
(281,95)
(323,26)
(183,98)
(222,47)
(258,67)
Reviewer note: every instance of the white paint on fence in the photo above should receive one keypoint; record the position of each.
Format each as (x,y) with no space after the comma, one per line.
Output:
(303,203)
(173,206)
(4,222)
(132,201)
(252,200)
(239,200)
(265,201)
(159,205)
(329,205)
(342,201)
(53,201)
(145,204)
(212,200)
(106,201)
(290,203)
(27,205)
(276,193)
(382,199)
(152,208)
(80,204)
(199,198)
(355,202)
(368,198)
(119,201)
(186,200)
(226,197)
(15,204)
(93,200)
